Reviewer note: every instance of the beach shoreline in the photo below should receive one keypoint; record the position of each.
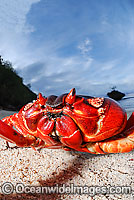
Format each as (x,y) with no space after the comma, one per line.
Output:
(5,113)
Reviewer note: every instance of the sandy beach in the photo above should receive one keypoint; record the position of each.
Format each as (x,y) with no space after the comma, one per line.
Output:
(60,168)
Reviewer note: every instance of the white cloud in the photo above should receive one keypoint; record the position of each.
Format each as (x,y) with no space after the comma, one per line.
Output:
(94,67)
(13,15)
(14,29)
(108,65)
(85,47)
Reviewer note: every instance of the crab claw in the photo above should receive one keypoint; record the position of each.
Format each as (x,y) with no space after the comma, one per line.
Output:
(45,129)
(13,136)
(70,99)
(68,132)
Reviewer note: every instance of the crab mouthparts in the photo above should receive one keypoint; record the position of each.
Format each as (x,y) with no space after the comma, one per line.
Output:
(54,115)
(55,135)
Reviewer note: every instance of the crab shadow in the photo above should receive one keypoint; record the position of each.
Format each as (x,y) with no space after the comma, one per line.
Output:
(74,169)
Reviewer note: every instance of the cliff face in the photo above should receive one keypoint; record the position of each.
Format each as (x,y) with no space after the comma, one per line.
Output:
(13,93)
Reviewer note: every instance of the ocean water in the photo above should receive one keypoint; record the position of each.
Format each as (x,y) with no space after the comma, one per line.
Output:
(127,102)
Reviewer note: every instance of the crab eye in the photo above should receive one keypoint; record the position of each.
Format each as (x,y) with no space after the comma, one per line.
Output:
(70,99)
(41,99)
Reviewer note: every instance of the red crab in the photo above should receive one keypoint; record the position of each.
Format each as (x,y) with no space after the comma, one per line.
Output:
(70,121)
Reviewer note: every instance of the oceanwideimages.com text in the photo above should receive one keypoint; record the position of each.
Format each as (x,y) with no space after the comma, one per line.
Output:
(8,188)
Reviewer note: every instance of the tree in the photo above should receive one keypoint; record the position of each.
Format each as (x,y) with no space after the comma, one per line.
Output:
(29,85)
(1,60)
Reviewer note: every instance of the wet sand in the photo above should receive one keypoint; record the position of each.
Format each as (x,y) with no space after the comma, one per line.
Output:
(60,168)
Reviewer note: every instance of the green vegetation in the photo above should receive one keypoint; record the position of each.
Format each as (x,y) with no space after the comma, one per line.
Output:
(13,93)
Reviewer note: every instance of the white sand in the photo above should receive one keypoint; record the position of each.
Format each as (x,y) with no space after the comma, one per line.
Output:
(50,167)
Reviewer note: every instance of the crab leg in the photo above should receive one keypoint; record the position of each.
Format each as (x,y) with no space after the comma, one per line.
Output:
(13,136)
(118,144)
(124,142)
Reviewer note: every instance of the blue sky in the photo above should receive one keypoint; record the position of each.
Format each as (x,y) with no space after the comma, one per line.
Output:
(59,44)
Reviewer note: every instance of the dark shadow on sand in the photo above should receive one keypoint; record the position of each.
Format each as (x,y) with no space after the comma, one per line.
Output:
(61,178)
